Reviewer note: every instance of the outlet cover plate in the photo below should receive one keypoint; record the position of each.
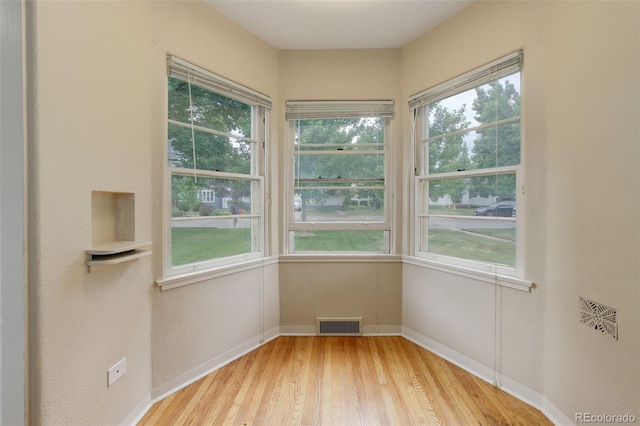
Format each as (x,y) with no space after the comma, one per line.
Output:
(116,372)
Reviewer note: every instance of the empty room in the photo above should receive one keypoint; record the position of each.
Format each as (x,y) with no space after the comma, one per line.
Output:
(320,212)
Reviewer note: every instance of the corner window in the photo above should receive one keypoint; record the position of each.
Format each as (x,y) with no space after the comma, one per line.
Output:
(468,169)
(339,189)
(215,170)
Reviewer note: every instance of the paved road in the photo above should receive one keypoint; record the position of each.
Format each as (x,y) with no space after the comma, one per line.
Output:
(442,223)
(211,223)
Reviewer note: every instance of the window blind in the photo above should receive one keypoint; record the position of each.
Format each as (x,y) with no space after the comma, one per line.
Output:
(492,71)
(185,71)
(303,110)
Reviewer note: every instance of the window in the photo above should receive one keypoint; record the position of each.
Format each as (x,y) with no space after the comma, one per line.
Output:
(339,189)
(468,172)
(215,170)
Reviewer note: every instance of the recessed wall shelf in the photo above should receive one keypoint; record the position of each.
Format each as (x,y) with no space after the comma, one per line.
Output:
(114,230)
(116,252)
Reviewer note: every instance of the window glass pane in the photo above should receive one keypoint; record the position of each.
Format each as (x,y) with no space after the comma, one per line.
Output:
(339,134)
(207,220)
(339,166)
(339,180)
(486,241)
(495,146)
(505,139)
(334,205)
(198,241)
(489,195)
(205,196)
(213,152)
(488,103)
(210,109)
(339,241)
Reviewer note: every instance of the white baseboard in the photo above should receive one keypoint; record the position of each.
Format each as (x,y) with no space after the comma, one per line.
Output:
(367,330)
(138,413)
(523,393)
(297,330)
(382,330)
(556,416)
(203,369)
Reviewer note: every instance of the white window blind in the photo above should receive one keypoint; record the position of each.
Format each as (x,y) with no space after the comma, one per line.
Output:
(490,72)
(183,70)
(305,110)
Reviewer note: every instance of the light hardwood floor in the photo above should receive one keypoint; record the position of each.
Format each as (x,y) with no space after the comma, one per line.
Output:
(341,381)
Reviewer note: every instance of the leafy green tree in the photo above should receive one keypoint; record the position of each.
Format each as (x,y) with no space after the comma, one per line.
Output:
(447,154)
(343,134)
(204,150)
(185,193)
(496,146)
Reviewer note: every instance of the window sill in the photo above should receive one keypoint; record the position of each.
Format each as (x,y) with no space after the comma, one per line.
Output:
(502,280)
(200,276)
(340,258)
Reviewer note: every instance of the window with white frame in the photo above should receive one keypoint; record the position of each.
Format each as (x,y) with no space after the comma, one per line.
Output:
(215,170)
(468,169)
(339,180)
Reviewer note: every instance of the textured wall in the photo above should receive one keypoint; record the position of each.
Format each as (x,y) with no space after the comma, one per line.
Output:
(197,323)
(459,312)
(313,289)
(371,290)
(89,129)
(593,225)
(580,118)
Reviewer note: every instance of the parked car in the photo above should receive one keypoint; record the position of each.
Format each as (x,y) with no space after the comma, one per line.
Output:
(503,209)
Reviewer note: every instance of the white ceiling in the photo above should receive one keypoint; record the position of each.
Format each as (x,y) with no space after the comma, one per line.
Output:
(338,24)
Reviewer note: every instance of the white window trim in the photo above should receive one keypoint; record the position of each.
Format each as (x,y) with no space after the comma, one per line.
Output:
(483,271)
(260,106)
(516,283)
(212,273)
(301,110)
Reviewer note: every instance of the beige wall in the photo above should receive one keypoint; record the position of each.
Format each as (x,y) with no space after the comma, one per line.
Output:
(96,102)
(580,124)
(371,290)
(593,210)
(501,329)
(193,325)
(97,77)
(89,129)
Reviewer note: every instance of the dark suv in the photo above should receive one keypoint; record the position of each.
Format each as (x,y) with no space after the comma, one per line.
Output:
(503,209)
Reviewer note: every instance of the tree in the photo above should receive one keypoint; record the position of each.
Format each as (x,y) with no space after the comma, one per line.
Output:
(185,193)
(196,149)
(447,154)
(496,146)
(341,134)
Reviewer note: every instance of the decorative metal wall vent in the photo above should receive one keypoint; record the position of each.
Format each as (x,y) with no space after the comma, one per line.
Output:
(339,326)
(599,317)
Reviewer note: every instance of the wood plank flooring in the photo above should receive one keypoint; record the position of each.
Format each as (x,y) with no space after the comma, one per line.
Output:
(341,381)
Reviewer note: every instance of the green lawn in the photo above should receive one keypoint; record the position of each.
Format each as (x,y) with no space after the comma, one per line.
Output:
(474,247)
(503,233)
(190,245)
(339,241)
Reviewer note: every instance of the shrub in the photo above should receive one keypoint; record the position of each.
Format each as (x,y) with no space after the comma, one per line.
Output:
(206,210)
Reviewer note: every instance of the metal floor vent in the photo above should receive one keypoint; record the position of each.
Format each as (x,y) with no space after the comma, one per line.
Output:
(339,326)
(599,317)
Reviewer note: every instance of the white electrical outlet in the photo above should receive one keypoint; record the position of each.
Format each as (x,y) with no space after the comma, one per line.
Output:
(116,372)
